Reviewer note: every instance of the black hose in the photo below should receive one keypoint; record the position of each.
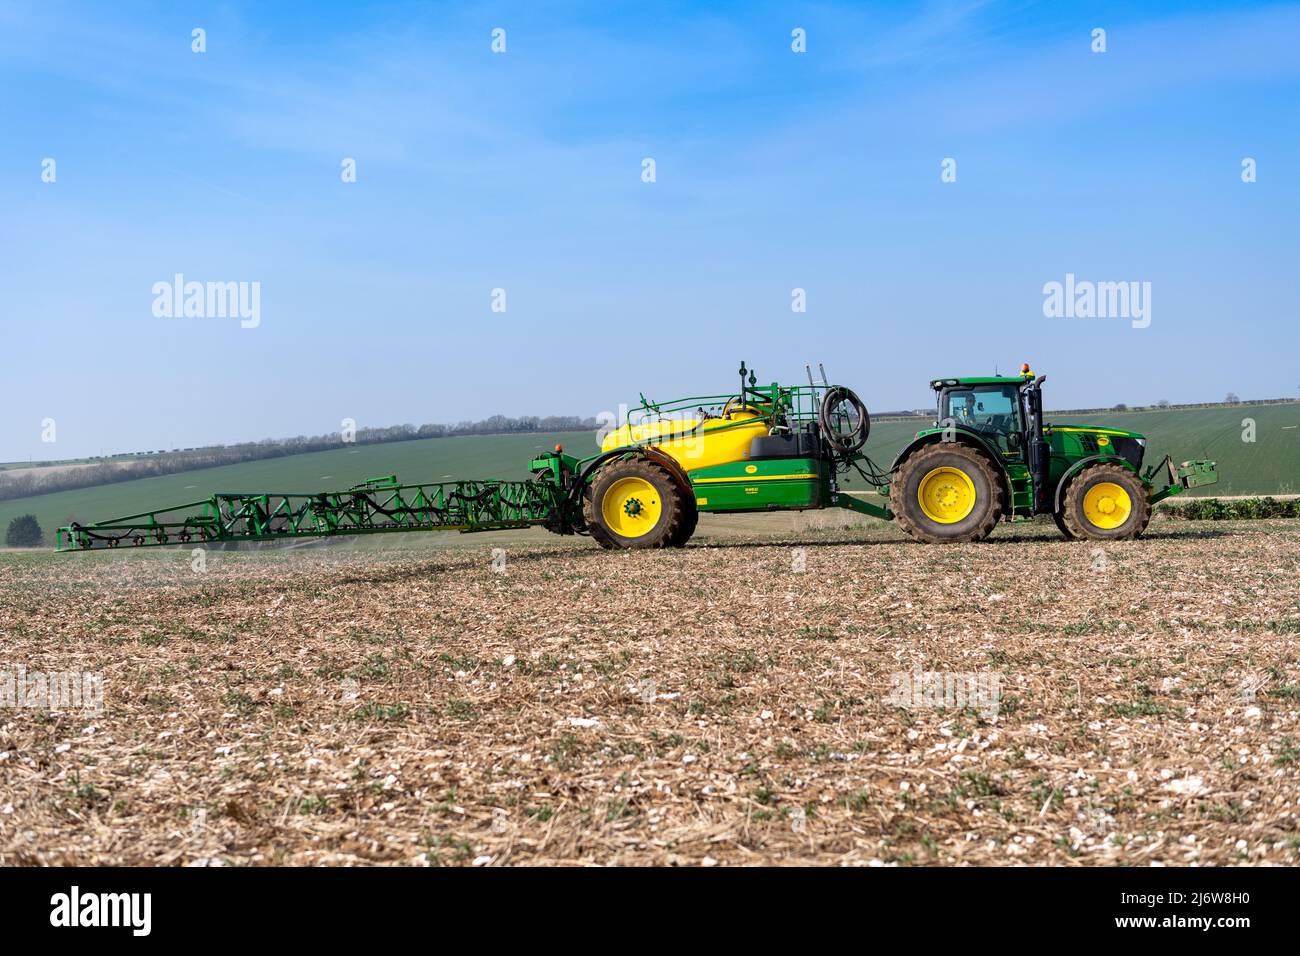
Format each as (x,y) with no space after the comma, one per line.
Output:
(845,445)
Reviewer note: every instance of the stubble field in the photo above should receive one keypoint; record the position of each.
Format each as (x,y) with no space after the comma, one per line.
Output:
(417,704)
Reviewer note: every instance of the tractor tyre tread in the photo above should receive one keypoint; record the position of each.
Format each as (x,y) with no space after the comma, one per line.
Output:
(686,529)
(669,528)
(907,510)
(1072,503)
(1062,527)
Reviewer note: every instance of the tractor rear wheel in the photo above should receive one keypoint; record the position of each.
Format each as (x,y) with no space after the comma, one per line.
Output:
(635,504)
(946,493)
(1106,503)
(1061,526)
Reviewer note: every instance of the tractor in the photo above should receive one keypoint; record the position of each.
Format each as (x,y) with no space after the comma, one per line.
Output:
(988,457)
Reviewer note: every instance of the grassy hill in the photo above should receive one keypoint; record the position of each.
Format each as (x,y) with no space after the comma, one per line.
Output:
(1270,465)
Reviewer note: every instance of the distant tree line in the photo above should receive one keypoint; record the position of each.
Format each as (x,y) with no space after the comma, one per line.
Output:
(19,483)
(1162,405)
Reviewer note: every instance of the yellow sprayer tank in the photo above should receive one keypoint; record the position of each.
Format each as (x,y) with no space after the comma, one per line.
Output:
(716,441)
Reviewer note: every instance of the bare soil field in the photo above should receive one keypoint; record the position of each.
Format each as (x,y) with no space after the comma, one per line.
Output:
(410,702)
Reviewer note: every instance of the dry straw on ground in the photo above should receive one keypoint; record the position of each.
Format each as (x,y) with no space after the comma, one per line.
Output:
(704,706)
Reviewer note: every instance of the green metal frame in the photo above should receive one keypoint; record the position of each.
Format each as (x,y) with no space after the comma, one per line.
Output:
(376,505)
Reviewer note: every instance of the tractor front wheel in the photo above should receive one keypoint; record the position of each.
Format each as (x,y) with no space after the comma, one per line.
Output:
(1106,503)
(1061,526)
(946,493)
(635,504)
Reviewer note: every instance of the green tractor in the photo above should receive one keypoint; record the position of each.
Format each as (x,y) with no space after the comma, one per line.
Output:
(990,457)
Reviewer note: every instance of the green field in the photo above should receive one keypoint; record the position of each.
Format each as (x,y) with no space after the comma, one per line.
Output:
(1269,465)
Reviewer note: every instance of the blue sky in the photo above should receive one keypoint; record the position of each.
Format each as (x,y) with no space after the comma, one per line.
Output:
(522,171)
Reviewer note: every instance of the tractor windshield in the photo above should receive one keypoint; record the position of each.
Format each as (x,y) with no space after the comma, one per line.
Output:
(989,408)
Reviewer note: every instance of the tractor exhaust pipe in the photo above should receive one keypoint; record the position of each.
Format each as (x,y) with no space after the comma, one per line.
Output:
(1039,451)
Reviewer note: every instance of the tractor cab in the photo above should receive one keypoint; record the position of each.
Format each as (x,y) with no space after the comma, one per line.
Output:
(993,407)
(1005,415)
